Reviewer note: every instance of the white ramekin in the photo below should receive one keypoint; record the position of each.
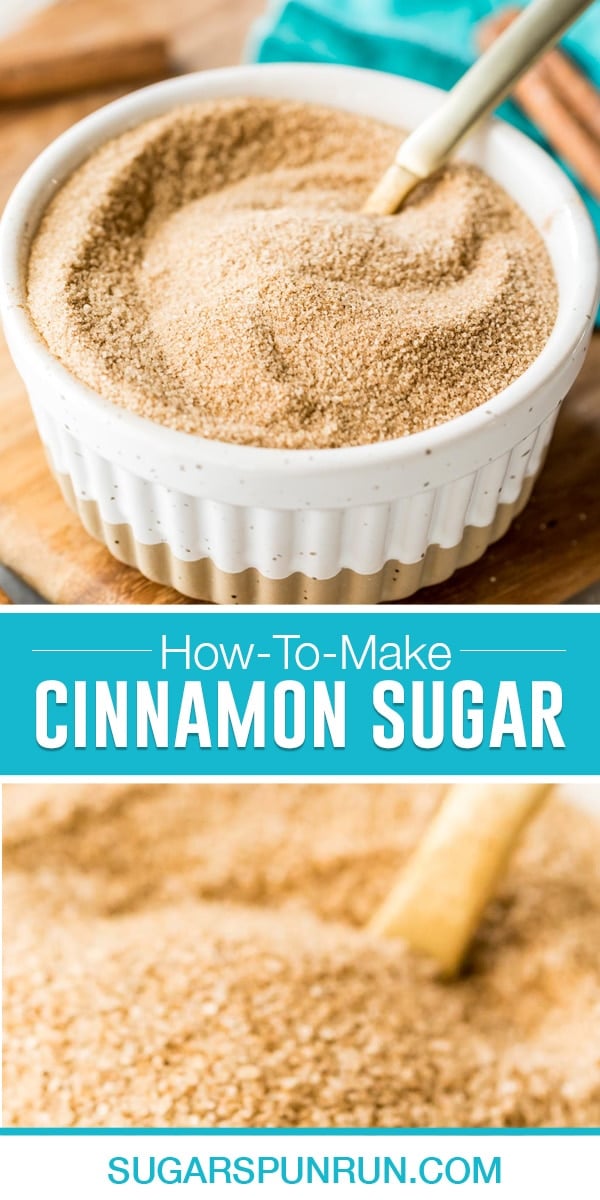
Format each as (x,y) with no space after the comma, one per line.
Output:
(232,523)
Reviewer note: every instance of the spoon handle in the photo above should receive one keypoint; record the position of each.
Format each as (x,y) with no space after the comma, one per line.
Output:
(487,83)
(437,903)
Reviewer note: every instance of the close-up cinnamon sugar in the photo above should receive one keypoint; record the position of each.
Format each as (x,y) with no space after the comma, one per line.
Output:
(196,955)
(212,270)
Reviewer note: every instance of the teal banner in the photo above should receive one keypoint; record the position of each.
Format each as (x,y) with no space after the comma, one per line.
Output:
(312,692)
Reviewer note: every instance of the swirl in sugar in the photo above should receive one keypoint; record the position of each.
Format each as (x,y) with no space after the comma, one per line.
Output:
(212,270)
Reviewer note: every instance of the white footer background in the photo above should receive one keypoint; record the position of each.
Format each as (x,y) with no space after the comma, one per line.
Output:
(75,1164)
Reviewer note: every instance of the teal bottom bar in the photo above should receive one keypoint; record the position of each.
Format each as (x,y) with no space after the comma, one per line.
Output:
(186,1131)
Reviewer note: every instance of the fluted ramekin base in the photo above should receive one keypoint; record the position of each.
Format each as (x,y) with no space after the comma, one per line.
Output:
(203,580)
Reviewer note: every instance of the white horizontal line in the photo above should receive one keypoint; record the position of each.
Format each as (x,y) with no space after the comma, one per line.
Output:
(70,650)
(504,650)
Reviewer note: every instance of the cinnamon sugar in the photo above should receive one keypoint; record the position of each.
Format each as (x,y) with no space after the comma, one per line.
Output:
(211,270)
(194,955)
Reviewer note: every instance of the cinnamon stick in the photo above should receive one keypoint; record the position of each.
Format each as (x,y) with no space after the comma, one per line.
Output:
(575,89)
(561,101)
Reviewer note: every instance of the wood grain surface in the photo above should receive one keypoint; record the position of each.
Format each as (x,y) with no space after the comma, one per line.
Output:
(550,554)
(79,44)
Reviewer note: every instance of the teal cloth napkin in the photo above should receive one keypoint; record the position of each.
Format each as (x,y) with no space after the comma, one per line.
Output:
(423,39)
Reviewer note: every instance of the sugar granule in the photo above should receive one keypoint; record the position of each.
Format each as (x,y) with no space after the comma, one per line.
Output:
(211,270)
(194,955)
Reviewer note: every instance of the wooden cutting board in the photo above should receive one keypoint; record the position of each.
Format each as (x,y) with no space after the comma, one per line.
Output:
(80,44)
(551,553)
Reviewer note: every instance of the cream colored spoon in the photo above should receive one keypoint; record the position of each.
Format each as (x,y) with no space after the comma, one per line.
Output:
(479,91)
(437,903)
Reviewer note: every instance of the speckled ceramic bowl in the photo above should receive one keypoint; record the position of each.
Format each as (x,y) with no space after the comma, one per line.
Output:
(231,523)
